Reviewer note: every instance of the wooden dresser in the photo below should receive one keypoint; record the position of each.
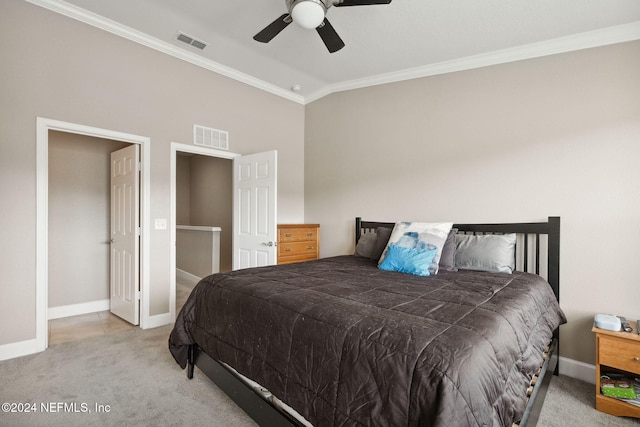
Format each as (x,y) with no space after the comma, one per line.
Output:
(617,352)
(298,242)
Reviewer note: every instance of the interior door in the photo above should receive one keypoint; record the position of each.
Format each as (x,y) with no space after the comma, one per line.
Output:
(254,210)
(125,234)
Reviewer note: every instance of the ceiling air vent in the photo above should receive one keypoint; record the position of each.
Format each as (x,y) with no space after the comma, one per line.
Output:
(190,41)
(209,137)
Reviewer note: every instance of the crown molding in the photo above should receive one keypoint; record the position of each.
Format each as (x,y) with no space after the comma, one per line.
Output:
(128,33)
(586,40)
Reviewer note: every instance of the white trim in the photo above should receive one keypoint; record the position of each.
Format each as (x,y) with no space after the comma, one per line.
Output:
(18,349)
(136,36)
(587,40)
(186,278)
(77,309)
(193,149)
(606,36)
(576,369)
(43,126)
(198,228)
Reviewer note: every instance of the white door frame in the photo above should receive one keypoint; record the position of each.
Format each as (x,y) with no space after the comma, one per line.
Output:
(193,149)
(43,126)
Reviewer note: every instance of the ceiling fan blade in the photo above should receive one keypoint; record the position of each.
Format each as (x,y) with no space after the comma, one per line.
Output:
(331,39)
(361,2)
(273,29)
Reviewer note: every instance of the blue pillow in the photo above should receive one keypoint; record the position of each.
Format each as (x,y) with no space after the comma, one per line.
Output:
(408,260)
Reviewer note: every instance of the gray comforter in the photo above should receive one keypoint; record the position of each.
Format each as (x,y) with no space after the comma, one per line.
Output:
(345,343)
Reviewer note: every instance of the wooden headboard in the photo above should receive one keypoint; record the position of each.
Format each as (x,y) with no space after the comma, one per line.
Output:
(537,244)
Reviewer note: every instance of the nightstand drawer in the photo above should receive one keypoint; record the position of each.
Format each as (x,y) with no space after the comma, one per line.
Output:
(298,234)
(620,354)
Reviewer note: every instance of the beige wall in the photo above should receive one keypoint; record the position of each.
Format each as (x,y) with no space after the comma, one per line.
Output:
(197,252)
(58,68)
(212,200)
(79,212)
(204,197)
(557,135)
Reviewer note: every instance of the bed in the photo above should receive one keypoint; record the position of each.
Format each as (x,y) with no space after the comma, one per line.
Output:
(343,342)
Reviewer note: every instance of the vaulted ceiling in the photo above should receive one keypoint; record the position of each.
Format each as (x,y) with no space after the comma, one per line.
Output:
(384,43)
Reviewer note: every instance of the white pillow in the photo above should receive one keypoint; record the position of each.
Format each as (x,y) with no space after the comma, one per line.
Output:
(420,235)
(488,252)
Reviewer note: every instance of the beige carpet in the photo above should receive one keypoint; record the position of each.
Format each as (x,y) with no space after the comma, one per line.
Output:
(133,374)
(571,402)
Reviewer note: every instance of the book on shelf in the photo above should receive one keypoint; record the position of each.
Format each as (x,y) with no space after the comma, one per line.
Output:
(620,387)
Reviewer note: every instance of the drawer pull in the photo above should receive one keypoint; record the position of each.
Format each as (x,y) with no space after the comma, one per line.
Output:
(309,234)
(287,249)
(311,247)
(288,235)
(636,359)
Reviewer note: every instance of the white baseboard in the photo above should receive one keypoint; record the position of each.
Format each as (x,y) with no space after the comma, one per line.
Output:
(578,370)
(17,349)
(77,309)
(187,278)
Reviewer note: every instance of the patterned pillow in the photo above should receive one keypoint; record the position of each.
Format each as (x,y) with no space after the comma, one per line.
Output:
(420,235)
(408,260)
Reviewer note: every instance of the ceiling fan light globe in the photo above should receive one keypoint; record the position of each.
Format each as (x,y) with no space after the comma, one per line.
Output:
(308,14)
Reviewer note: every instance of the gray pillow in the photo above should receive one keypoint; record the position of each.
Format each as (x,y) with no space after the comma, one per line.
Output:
(490,252)
(448,257)
(365,245)
(383,234)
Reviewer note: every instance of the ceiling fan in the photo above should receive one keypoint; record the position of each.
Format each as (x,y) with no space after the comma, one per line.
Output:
(311,14)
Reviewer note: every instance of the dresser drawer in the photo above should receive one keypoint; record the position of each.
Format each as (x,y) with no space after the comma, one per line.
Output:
(297,234)
(619,353)
(297,248)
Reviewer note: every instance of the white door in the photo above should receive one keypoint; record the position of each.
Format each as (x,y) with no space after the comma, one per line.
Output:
(254,210)
(125,233)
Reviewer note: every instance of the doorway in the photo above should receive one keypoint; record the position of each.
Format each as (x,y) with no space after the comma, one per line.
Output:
(178,153)
(79,223)
(44,128)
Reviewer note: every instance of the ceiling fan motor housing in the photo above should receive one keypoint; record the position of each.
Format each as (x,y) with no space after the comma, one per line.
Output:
(308,14)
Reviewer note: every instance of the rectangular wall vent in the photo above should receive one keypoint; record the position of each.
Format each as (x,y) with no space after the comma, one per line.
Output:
(190,40)
(209,137)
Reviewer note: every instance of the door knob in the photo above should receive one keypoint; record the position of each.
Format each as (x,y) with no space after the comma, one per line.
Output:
(268,244)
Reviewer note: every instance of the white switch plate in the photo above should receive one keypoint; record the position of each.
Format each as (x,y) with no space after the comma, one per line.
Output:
(161,224)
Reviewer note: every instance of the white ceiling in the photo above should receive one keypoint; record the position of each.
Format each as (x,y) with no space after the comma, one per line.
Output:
(384,43)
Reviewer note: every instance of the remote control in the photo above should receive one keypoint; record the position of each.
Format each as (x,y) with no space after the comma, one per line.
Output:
(625,325)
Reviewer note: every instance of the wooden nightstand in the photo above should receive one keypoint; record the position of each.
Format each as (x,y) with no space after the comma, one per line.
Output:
(616,352)
(298,242)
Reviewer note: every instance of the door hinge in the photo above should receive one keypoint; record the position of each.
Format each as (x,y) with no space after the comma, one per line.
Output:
(138,295)
(139,231)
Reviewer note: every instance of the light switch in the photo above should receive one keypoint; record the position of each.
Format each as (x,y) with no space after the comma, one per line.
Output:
(161,224)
